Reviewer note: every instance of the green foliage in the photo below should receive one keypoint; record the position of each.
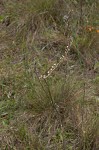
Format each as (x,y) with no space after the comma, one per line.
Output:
(1,18)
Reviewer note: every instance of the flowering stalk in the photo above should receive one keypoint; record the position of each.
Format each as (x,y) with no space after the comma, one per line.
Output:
(53,67)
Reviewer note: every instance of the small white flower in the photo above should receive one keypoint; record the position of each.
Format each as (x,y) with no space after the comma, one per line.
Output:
(52,67)
(62,56)
(44,76)
(40,77)
(48,72)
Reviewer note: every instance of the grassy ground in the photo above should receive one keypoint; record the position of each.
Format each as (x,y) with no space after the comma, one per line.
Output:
(49,75)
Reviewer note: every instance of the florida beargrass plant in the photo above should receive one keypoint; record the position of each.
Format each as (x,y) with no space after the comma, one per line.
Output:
(49,75)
